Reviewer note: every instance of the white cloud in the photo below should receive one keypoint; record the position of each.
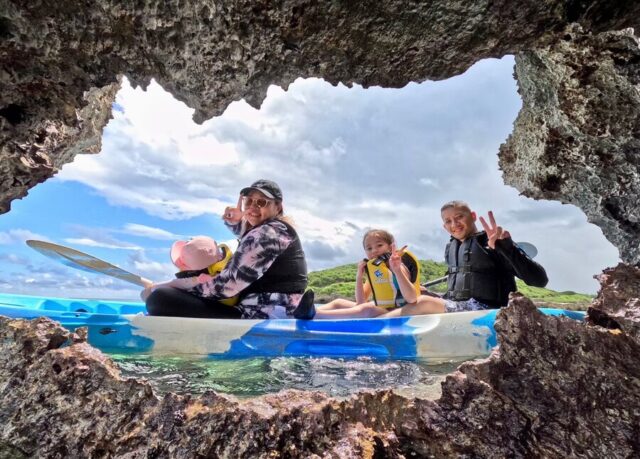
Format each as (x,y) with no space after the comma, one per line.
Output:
(93,243)
(429,183)
(71,284)
(136,229)
(347,159)
(14,259)
(19,236)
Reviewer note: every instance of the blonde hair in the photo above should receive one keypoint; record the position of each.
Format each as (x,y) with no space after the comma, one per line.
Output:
(385,235)
(455,205)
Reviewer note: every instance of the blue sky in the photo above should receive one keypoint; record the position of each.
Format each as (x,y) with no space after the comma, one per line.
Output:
(347,159)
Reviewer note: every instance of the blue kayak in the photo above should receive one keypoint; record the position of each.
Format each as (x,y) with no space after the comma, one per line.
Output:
(123,326)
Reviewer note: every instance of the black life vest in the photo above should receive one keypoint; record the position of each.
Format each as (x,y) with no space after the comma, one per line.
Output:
(287,274)
(475,271)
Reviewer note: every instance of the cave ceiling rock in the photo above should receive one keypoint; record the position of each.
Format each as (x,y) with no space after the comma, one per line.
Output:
(46,144)
(208,54)
(577,136)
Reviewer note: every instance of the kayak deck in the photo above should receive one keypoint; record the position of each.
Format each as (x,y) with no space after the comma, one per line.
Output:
(123,326)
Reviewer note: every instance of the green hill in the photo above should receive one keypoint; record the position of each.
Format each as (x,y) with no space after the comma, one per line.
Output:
(339,282)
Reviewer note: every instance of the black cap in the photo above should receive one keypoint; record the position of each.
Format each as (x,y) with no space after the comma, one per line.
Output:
(266,187)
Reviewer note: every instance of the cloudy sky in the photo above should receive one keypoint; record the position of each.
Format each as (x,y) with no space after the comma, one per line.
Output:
(346,158)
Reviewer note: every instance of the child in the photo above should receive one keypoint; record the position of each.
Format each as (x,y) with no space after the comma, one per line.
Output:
(386,279)
(483,265)
(198,259)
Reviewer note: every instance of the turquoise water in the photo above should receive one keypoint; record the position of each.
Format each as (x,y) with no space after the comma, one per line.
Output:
(253,377)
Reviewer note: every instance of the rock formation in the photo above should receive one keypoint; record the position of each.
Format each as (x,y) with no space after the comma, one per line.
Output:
(577,137)
(554,388)
(61,63)
(617,306)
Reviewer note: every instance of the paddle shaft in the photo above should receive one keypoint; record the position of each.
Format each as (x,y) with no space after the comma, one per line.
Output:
(85,262)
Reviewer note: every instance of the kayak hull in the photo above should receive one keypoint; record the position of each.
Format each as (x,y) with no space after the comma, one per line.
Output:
(123,326)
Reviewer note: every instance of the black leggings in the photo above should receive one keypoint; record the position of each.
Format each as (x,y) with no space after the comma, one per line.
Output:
(168,301)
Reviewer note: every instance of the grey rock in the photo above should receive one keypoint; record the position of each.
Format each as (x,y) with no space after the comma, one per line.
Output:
(617,305)
(577,137)
(555,387)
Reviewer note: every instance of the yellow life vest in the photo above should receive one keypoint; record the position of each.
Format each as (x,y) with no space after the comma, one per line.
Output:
(384,287)
(217,268)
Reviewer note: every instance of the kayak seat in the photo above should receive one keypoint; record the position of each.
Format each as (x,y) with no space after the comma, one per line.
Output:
(105,309)
(50,305)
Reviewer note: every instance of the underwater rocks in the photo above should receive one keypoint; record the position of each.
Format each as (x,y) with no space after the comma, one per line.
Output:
(555,388)
(577,136)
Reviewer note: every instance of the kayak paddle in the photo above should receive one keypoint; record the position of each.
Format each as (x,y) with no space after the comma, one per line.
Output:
(528,248)
(79,260)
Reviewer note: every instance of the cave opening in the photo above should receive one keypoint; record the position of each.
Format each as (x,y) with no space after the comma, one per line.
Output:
(347,158)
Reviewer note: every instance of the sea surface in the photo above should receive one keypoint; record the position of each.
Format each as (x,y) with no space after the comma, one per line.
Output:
(258,376)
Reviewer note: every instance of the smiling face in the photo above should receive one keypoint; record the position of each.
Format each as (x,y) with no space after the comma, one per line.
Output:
(459,222)
(374,246)
(258,208)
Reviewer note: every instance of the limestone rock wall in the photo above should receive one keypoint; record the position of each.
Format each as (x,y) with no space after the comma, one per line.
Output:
(618,304)
(577,137)
(555,388)
(53,52)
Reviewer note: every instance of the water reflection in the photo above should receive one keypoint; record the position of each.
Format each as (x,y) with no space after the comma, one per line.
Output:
(258,376)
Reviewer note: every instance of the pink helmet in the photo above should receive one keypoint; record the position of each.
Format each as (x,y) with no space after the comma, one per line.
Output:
(197,253)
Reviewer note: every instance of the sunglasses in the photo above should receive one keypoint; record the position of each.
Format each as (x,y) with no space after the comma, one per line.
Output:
(259,202)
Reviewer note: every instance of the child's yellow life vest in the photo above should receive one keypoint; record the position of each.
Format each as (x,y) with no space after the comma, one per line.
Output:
(384,287)
(217,268)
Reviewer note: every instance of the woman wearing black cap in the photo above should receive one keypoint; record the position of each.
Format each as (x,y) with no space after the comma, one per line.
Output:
(268,271)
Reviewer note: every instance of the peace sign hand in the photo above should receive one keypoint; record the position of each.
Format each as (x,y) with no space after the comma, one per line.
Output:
(233,215)
(395,260)
(494,232)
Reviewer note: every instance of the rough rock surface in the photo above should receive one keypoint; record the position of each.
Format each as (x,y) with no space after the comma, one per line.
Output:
(48,143)
(577,137)
(555,388)
(618,303)
(210,53)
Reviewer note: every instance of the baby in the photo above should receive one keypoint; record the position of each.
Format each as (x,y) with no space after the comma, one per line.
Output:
(198,259)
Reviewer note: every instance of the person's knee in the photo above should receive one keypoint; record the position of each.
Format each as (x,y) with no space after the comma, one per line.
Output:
(338,303)
(427,305)
(368,310)
(333,304)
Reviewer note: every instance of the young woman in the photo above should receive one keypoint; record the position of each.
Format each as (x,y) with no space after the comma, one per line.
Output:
(268,271)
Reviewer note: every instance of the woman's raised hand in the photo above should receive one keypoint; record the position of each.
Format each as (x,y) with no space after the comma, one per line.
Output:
(494,232)
(233,215)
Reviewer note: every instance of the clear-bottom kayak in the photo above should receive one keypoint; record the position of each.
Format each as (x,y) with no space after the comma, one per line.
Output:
(123,326)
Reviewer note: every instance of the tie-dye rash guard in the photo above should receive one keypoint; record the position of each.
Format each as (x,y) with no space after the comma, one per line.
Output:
(257,250)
